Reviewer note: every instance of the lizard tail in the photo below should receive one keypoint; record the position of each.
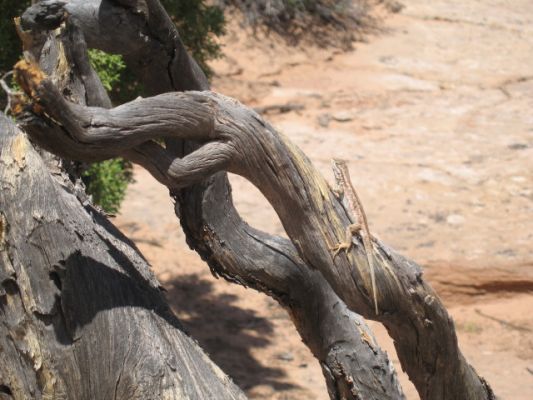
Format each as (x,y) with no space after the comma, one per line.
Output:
(373,281)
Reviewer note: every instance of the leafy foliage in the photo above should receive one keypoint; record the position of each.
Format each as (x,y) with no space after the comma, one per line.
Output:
(108,66)
(107,181)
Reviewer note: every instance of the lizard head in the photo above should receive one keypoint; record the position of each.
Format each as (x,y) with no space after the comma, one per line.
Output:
(339,168)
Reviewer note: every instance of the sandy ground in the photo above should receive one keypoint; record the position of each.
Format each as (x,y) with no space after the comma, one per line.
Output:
(434,115)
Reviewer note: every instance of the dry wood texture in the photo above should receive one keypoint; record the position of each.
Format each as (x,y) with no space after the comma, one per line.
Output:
(324,322)
(81,314)
(207,134)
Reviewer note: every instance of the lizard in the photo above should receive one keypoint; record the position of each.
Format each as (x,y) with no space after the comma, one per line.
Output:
(346,192)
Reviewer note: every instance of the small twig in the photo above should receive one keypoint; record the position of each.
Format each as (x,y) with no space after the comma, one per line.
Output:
(504,323)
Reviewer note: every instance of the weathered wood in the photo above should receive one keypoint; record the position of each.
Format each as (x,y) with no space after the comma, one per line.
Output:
(81,314)
(234,250)
(236,139)
(311,214)
(324,322)
(105,330)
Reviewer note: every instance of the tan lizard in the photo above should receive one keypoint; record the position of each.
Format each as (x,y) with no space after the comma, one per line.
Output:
(359,225)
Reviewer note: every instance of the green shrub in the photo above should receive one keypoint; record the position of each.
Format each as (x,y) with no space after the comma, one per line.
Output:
(107,181)
(324,22)
(108,66)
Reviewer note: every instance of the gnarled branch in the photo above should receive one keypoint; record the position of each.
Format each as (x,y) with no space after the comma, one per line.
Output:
(232,248)
(312,217)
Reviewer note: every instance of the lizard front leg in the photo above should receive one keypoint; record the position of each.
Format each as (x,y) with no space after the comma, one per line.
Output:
(351,230)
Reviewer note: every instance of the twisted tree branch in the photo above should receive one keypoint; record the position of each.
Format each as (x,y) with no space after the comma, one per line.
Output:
(312,216)
(232,248)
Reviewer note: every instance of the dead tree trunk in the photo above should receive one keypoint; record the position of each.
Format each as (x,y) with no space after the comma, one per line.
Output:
(81,314)
(234,138)
(324,322)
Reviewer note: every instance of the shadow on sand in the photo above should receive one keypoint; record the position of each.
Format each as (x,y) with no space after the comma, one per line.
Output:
(225,331)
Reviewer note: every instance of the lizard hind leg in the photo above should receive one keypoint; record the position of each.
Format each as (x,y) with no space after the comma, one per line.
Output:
(351,230)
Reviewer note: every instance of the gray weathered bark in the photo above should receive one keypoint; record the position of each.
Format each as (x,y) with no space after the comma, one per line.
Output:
(325,324)
(234,138)
(81,314)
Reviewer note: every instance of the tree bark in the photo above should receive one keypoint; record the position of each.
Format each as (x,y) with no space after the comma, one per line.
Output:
(82,316)
(323,321)
(234,138)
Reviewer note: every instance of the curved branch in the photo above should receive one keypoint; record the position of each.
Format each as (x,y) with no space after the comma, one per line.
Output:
(325,324)
(314,220)
(122,128)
